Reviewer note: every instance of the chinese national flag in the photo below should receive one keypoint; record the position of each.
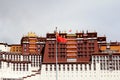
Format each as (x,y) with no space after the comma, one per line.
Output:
(60,39)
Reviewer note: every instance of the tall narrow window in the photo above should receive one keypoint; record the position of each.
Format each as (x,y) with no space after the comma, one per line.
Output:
(27,67)
(20,67)
(46,67)
(55,67)
(89,66)
(13,66)
(59,67)
(16,66)
(50,67)
(85,67)
(68,67)
(77,67)
(72,67)
(81,67)
(23,67)
(94,66)
(8,64)
(0,64)
(63,67)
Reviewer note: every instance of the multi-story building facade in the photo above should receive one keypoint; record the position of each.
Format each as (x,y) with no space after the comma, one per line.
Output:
(15,48)
(78,48)
(113,46)
(32,44)
(85,56)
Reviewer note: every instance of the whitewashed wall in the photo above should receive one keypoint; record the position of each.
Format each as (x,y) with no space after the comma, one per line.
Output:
(7,72)
(4,47)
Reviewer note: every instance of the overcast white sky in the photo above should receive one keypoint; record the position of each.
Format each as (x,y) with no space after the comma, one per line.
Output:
(18,17)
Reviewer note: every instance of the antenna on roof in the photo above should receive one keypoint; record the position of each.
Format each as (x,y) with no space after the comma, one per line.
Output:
(82,31)
(87,31)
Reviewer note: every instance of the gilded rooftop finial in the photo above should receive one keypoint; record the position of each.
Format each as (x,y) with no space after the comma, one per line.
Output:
(31,34)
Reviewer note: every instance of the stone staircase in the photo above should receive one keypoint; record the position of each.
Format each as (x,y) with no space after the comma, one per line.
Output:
(38,72)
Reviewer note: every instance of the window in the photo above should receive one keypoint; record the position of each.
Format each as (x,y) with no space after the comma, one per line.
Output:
(50,67)
(23,67)
(59,67)
(46,67)
(92,44)
(85,67)
(63,67)
(0,64)
(8,64)
(89,66)
(27,67)
(77,67)
(72,67)
(55,67)
(25,49)
(16,66)
(85,48)
(52,42)
(101,66)
(20,66)
(38,49)
(13,66)
(116,65)
(25,45)
(80,66)
(94,65)
(49,45)
(38,45)
(68,67)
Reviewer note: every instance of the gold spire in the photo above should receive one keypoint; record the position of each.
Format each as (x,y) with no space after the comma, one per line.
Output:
(31,34)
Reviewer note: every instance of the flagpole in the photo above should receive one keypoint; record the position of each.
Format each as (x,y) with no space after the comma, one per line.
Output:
(56,57)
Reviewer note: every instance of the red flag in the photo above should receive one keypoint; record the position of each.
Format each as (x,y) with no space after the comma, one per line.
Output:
(60,39)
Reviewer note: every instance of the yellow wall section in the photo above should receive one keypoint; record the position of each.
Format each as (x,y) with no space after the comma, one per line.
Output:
(116,48)
(15,49)
(103,48)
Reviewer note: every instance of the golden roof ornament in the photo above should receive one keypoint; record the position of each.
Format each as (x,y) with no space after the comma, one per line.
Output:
(31,34)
